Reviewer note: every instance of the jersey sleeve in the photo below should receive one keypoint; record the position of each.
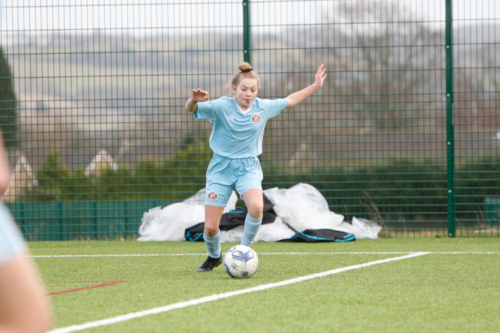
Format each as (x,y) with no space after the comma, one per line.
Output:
(11,239)
(209,109)
(274,107)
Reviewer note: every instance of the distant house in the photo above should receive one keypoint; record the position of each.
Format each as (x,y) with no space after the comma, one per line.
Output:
(102,161)
(22,178)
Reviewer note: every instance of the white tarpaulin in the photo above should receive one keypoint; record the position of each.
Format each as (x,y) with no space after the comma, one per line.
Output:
(299,208)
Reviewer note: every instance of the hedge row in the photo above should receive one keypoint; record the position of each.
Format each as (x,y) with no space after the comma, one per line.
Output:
(175,179)
(403,190)
(399,188)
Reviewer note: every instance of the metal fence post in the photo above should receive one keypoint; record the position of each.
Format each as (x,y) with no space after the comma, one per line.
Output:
(246,31)
(450,142)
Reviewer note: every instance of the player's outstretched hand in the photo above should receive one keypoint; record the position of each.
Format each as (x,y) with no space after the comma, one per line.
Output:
(320,76)
(200,95)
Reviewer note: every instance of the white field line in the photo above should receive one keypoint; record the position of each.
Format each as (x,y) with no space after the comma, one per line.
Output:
(212,298)
(265,254)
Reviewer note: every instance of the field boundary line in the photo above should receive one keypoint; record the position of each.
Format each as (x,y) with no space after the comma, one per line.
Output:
(106,284)
(265,254)
(212,298)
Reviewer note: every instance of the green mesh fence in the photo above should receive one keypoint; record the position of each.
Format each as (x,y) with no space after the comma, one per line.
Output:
(476,118)
(405,131)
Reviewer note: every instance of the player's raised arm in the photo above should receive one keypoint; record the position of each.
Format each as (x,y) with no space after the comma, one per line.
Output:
(301,95)
(198,96)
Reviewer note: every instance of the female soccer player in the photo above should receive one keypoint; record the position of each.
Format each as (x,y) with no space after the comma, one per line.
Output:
(23,305)
(237,130)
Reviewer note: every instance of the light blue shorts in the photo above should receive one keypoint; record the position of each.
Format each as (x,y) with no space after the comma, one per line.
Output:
(11,239)
(225,174)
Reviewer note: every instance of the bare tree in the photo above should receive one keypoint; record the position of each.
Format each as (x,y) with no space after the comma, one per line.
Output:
(477,86)
(394,60)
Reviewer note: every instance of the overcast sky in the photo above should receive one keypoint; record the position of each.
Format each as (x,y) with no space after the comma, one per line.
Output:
(151,16)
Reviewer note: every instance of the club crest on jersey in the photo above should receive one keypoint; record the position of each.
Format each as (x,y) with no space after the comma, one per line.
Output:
(212,196)
(255,118)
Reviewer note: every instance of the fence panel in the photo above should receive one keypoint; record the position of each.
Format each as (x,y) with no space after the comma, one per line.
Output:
(98,134)
(476,117)
(373,139)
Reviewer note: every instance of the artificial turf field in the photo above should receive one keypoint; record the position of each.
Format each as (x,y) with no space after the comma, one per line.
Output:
(453,288)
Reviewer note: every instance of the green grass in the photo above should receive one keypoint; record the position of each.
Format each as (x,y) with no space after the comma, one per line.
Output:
(436,292)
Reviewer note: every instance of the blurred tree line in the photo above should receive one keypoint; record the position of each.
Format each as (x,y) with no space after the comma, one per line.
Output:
(8,103)
(399,189)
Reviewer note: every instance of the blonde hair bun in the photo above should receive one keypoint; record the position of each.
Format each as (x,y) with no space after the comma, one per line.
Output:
(246,72)
(245,67)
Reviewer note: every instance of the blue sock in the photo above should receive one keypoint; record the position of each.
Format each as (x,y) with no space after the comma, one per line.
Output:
(213,245)
(251,227)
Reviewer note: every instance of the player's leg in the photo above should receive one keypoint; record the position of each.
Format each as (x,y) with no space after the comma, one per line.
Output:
(250,187)
(218,191)
(211,235)
(255,203)
(23,306)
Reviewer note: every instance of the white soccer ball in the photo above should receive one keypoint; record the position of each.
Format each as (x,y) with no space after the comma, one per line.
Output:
(241,262)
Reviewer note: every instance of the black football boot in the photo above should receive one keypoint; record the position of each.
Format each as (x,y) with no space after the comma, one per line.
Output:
(209,264)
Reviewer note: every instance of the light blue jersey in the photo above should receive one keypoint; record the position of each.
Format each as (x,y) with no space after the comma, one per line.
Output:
(236,134)
(11,240)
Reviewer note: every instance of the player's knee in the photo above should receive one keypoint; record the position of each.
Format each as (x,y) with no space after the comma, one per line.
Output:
(256,210)
(211,231)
